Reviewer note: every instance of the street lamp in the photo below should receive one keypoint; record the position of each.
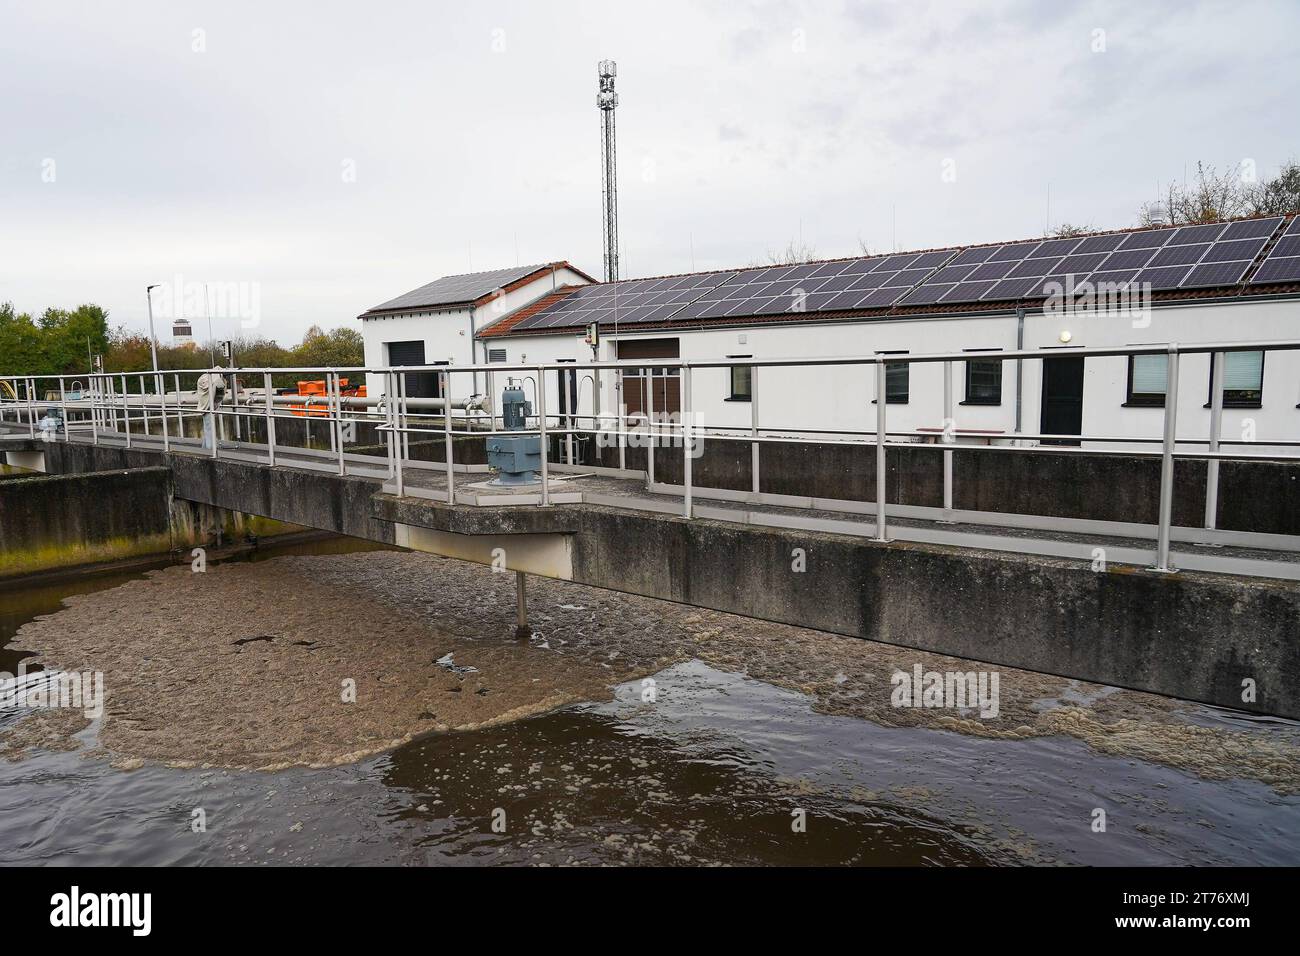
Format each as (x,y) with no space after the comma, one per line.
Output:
(153,342)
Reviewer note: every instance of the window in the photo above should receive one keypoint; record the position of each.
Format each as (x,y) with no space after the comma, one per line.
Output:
(983,381)
(1147,377)
(742,378)
(1243,380)
(897,378)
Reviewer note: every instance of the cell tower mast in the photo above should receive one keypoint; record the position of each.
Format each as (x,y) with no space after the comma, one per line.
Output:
(607,100)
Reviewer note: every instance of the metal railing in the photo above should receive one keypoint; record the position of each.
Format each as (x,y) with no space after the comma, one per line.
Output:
(138,408)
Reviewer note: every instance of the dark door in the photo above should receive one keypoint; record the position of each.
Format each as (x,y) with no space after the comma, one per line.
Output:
(1062,399)
(662,383)
(418,384)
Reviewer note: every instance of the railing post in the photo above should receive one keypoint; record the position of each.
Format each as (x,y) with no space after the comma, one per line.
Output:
(126,410)
(622,422)
(180,415)
(63,407)
(144,405)
(1167,462)
(881,406)
(949,422)
(754,483)
(270,418)
(398,424)
(686,439)
(93,389)
(650,427)
(338,423)
(541,427)
(162,409)
(212,416)
(31,407)
(446,432)
(1218,360)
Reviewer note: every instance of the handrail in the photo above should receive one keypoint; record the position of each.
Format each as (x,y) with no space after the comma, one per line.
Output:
(109,407)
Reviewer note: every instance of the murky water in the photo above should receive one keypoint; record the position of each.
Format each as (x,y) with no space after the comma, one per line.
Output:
(718,769)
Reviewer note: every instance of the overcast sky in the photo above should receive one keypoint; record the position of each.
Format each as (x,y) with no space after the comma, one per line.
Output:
(339,154)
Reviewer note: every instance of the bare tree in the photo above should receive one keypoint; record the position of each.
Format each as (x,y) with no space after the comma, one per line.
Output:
(796,251)
(1277,196)
(1069,230)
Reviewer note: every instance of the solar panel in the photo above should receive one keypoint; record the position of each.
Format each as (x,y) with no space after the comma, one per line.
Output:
(1129,259)
(1056,247)
(1252,228)
(1009,289)
(1101,243)
(1285,269)
(1078,264)
(1166,278)
(1190,234)
(968,291)
(1216,273)
(928,294)
(952,274)
(1286,246)
(1237,249)
(1294,229)
(1032,268)
(974,256)
(1147,239)
(1016,250)
(1180,255)
(991,270)
(1114,277)
(880,298)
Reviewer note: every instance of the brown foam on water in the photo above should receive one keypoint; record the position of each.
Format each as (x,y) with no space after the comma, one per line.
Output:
(182,691)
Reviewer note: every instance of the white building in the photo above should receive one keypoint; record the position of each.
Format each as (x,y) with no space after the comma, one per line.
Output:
(437,324)
(1227,282)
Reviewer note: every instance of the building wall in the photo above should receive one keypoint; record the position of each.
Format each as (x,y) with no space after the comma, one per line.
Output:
(840,397)
(446,332)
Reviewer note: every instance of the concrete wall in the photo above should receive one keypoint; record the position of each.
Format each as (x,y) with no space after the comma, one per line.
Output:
(1188,635)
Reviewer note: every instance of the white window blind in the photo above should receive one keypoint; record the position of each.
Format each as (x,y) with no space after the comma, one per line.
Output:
(1243,370)
(1150,373)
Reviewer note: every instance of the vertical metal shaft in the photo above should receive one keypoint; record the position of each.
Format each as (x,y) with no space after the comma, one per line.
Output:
(521,606)
(881,531)
(1219,359)
(1167,462)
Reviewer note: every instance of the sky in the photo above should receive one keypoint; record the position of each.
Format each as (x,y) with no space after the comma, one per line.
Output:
(318,158)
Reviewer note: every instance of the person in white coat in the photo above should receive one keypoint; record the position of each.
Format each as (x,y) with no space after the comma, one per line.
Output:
(212,389)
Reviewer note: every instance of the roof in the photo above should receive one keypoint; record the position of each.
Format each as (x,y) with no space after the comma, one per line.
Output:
(471,288)
(931,281)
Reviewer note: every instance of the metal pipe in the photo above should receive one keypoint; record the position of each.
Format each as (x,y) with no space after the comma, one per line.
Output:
(1218,360)
(522,629)
(686,440)
(754,482)
(881,406)
(446,428)
(1167,463)
(541,426)
(950,432)
(270,419)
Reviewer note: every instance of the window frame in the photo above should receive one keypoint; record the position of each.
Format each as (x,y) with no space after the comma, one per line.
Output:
(736,396)
(968,400)
(907,378)
(1145,399)
(1237,402)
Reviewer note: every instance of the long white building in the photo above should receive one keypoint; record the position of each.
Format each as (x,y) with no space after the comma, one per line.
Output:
(1224,282)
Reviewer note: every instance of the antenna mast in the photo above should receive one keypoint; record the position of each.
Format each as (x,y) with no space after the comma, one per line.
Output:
(607,100)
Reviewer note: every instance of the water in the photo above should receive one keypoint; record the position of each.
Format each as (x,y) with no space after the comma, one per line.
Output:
(718,769)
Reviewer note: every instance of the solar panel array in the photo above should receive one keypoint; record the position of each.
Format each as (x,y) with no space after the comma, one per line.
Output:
(451,290)
(1177,257)
(1283,263)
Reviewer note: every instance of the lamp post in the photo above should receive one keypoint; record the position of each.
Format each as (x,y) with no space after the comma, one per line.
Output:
(153,342)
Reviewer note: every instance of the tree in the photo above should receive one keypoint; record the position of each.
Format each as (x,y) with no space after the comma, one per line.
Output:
(338,348)
(1213,196)
(796,251)
(20,343)
(1069,230)
(1277,196)
(68,337)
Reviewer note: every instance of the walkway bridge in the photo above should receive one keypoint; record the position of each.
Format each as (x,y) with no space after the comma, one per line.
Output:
(1171,568)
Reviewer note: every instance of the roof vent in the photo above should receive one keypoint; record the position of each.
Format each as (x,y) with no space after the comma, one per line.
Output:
(1157,214)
